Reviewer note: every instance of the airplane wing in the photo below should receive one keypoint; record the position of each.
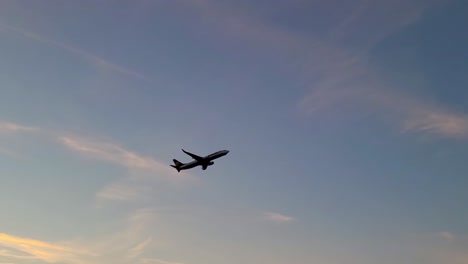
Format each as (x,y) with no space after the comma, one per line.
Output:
(195,157)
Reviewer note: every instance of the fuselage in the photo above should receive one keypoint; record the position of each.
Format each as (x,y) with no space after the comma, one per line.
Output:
(205,162)
(216,155)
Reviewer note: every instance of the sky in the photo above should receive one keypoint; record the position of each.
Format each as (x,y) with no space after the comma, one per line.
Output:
(346,122)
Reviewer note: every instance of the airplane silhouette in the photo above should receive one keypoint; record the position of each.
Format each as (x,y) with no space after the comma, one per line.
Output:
(198,161)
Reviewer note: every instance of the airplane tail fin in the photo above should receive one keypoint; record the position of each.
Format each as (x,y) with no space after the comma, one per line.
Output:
(177,165)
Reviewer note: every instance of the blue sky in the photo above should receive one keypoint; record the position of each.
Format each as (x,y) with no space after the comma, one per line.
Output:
(346,121)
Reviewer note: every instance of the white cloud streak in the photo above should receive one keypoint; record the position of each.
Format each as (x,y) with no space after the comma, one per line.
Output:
(437,122)
(6,126)
(116,154)
(277,217)
(94,59)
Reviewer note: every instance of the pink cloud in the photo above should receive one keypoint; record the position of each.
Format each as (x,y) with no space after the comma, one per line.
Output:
(277,217)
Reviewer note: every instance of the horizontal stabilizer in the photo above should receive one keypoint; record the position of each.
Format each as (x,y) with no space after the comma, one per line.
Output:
(175,167)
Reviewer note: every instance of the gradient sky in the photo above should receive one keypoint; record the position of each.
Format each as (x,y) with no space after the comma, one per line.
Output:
(346,121)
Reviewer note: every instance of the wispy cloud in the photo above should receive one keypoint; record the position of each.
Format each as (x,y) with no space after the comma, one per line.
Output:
(125,246)
(41,250)
(411,114)
(107,151)
(139,248)
(15,254)
(6,126)
(142,170)
(135,187)
(94,59)
(118,191)
(341,77)
(437,122)
(277,217)
(98,149)
(359,25)
(128,245)
(449,236)
(351,82)
(11,128)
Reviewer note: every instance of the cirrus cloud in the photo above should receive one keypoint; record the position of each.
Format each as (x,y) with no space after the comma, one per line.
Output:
(277,217)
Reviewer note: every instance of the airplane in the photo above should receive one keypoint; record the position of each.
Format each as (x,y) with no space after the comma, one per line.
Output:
(198,161)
